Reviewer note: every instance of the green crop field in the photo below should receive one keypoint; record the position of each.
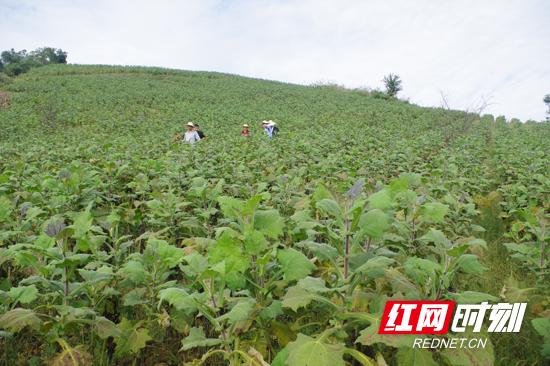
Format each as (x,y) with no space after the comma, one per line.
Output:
(120,247)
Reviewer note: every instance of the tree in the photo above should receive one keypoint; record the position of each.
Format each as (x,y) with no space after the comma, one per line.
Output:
(546,101)
(16,68)
(392,83)
(49,55)
(13,56)
(14,62)
(61,56)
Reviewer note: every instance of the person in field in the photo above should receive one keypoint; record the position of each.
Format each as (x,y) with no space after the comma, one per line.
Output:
(275,130)
(270,128)
(245,131)
(199,131)
(191,136)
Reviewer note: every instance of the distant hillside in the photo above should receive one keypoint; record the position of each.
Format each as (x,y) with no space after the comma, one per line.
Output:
(150,104)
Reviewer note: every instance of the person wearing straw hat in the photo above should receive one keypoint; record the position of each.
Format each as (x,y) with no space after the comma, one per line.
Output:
(268,128)
(264,127)
(191,136)
(275,129)
(245,131)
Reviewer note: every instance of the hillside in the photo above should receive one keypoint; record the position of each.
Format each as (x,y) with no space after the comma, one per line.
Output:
(117,245)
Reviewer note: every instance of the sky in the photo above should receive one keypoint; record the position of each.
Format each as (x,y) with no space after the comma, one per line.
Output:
(471,52)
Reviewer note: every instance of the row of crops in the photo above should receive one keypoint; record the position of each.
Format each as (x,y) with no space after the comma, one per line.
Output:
(118,247)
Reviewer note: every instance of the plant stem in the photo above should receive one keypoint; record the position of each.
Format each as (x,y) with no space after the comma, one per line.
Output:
(347,245)
(66,284)
(542,247)
(367,244)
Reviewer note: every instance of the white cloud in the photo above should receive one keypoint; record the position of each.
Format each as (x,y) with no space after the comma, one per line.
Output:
(466,48)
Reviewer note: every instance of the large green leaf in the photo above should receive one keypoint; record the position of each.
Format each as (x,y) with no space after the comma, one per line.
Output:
(196,338)
(304,292)
(178,298)
(542,326)
(231,207)
(251,205)
(6,207)
(401,184)
(133,338)
(95,276)
(280,358)
(320,250)
(434,211)
(196,264)
(168,254)
(401,283)
(375,267)
(421,270)
(240,311)
(436,237)
(106,328)
(374,223)
(229,250)
(295,265)
(381,200)
(330,208)
(134,271)
(19,318)
(272,311)
(313,284)
(44,242)
(307,351)
(472,297)
(23,294)
(269,222)
(135,297)
(469,263)
(321,192)
(297,297)
(82,223)
(254,242)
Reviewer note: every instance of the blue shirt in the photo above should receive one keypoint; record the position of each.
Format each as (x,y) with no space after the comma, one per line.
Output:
(269,131)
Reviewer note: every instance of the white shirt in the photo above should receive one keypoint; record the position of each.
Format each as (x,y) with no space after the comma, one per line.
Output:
(191,137)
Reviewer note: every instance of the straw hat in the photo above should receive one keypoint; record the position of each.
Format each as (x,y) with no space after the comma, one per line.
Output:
(190,124)
(245,125)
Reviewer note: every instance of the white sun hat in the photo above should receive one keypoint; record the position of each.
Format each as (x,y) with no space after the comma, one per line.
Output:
(245,125)
(190,124)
